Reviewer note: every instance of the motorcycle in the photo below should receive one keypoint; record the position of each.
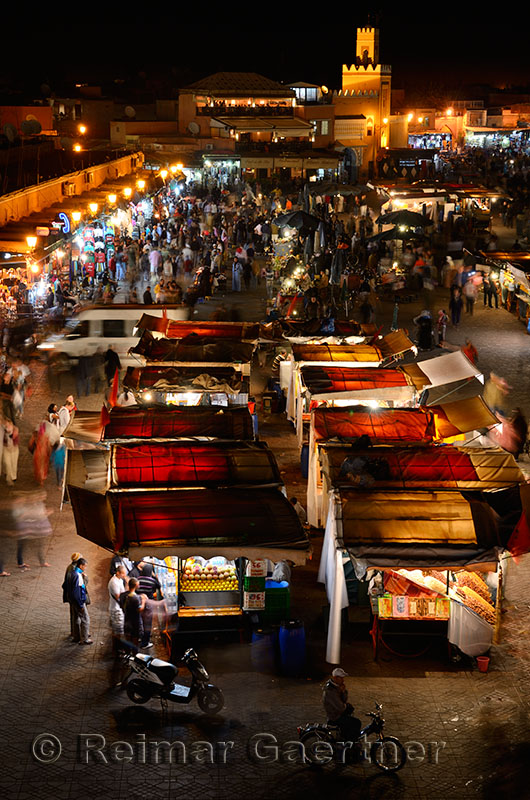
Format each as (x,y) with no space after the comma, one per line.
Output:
(156,678)
(386,752)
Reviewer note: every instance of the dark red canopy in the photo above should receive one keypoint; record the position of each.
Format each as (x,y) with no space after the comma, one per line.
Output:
(425,467)
(169,423)
(183,464)
(260,523)
(179,329)
(404,425)
(336,379)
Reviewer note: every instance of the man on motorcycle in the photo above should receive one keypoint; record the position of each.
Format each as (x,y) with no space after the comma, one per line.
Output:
(338,710)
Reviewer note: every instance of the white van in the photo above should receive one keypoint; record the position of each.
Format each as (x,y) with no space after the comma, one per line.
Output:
(96,327)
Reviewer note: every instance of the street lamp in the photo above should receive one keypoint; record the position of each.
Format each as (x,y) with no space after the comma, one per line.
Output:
(76,216)
(140,184)
(82,129)
(77,148)
(163,174)
(112,198)
(93,207)
(127,191)
(31,242)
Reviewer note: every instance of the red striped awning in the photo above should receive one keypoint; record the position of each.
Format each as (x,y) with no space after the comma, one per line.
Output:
(171,464)
(380,425)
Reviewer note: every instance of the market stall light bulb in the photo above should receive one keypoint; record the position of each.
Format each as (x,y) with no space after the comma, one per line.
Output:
(148,397)
(163,174)
(77,148)
(31,241)
(140,184)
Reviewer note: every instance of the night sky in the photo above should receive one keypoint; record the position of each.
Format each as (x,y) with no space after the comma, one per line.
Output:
(437,49)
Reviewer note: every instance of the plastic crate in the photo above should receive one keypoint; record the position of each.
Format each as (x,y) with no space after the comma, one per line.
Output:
(277,602)
(251,584)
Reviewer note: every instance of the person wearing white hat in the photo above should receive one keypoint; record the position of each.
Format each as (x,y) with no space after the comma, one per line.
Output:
(338,710)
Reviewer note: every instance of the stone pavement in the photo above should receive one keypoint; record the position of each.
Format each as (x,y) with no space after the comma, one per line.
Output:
(479,722)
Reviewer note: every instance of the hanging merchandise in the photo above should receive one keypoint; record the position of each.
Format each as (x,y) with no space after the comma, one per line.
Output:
(88,256)
(110,249)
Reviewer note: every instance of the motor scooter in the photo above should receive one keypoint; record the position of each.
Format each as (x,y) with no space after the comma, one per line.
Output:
(386,752)
(156,678)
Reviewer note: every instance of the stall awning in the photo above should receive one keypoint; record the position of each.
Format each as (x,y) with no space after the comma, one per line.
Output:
(173,464)
(171,423)
(325,353)
(173,329)
(441,370)
(161,423)
(193,349)
(392,344)
(470,414)
(407,517)
(320,380)
(208,522)
(401,425)
(431,467)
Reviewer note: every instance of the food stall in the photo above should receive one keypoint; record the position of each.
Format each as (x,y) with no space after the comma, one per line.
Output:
(434,510)
(344,356)
(512,270)
(199,526)
(340,428)
(188,489)
(188,386)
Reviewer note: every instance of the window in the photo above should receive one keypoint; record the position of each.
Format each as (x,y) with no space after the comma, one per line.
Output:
(113,327)
(324,129)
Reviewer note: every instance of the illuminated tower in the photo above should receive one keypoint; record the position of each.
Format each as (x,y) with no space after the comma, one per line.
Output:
(362,107)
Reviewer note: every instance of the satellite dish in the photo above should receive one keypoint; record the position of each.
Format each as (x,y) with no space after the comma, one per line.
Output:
(10,132)
(194,128)
(130,112)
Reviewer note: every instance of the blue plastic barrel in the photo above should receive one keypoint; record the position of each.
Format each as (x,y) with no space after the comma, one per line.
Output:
(262,650)
(292,647)
(304,460)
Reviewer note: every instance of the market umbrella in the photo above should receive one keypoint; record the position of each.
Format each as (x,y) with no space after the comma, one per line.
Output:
(386,236)
(298,219)
(404,217)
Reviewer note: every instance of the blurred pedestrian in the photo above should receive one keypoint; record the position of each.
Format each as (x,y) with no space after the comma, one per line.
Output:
(112,363)
(455,305)
(10,451)
(441,326)
(470,351)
